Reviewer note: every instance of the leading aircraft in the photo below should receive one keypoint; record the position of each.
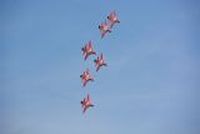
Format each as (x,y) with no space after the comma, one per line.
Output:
(113,19)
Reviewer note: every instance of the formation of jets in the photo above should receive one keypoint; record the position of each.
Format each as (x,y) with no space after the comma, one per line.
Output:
(105,27)
(88,50)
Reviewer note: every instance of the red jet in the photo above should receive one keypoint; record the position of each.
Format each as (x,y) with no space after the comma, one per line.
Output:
(104,28)
(86,77)
(113,19)
(86,103)
(99,62)
(88,50)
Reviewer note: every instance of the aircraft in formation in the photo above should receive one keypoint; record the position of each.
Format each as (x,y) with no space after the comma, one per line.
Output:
(86,77)
(104,28)
(99,62)
(113,18)
(86,103)
(88,50)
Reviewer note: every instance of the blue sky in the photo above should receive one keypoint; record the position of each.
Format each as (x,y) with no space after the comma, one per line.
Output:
(151,84)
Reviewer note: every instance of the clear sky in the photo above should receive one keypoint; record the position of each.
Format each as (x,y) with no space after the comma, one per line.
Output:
(151,84)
